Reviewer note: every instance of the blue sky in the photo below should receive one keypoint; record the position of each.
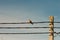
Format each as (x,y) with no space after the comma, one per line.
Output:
(29,8)
(22,10)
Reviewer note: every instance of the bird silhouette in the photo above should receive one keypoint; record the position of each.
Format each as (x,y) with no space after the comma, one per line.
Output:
(30,21)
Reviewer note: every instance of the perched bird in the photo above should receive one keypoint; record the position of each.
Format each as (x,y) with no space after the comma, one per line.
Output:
(30,21)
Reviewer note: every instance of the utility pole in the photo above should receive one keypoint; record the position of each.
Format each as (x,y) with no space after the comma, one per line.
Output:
(51,29)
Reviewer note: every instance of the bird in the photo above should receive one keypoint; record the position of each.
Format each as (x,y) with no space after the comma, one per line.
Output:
(30,21)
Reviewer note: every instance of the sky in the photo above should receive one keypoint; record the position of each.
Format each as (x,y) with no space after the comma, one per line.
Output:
(22,10)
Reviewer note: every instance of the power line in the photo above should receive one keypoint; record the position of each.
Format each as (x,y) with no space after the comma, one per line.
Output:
(51,27)
(21,27)
(29,22)
(25,22)
(24,27)
(29,33)
(32,33)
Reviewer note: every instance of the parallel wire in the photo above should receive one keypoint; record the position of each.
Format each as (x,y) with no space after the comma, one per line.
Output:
(24,27)
(25,22)
(28,27)
(29,23)
(33,33)
(28,33)
(21,27)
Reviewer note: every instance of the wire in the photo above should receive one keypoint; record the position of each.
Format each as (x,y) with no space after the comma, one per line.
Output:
(57,32)
(29,22)
(25,23)
(24,27)
(21,27)
(28,33)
